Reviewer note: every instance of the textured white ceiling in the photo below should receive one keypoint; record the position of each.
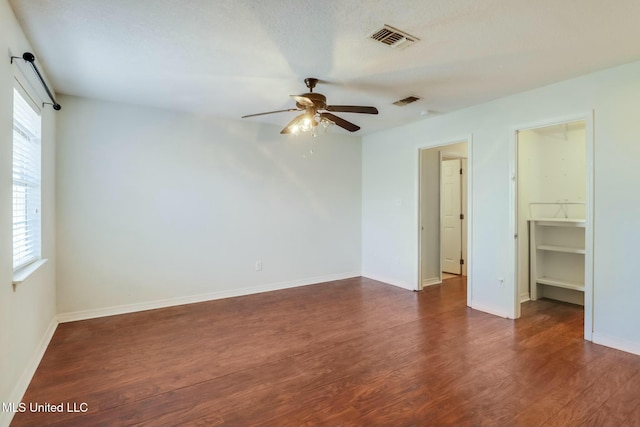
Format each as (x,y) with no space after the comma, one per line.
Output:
(229,58)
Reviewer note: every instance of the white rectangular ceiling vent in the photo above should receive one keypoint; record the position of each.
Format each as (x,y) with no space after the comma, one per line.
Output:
(393,37)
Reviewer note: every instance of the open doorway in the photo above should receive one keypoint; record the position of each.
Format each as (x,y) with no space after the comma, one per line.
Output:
(453,214)
(443,215)
(553,221)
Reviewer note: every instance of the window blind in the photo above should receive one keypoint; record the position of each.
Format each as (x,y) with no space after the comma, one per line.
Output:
(26,182)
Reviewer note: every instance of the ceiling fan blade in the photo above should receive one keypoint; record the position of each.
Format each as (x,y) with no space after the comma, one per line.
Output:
(287,128)
(340,122)
(303,100)
(269,112)
(352,109)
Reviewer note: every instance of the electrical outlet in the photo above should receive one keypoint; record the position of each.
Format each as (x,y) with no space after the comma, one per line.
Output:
(258,265)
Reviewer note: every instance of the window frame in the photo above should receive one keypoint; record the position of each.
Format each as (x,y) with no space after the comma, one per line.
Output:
(34,182)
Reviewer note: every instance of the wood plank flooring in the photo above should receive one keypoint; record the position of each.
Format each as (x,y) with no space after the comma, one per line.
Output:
(352,352)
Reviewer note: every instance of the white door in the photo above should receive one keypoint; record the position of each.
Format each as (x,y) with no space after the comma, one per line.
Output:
(451,205)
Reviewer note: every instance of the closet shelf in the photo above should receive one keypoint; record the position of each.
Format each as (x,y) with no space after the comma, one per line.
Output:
(560,222)
(566,249)
(561,283)
(549,238)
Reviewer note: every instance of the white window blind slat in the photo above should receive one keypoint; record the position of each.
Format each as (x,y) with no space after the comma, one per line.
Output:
(26,183)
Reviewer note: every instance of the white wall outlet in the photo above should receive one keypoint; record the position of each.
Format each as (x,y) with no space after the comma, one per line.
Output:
(258,265)
(501,282)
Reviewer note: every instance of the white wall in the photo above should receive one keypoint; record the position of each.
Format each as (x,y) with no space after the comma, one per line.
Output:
(26,314)
(156,205)
(390,244)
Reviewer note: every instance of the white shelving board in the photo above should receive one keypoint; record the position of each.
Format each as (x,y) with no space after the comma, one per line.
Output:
(566,249)
(560,222)
(561,284)
(556,254)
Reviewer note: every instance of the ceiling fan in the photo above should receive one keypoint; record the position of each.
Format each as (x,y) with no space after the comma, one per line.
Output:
(315,111)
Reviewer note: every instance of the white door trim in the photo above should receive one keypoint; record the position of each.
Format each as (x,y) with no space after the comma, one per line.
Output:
(469,177)
(589,212)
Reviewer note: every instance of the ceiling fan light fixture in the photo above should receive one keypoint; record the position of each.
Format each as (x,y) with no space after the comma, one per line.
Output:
(315,111)
(316,125)
(326,123)
(307,124)
(323,124)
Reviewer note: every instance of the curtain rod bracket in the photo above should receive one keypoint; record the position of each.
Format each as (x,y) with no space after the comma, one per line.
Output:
(56,107)
(30,58)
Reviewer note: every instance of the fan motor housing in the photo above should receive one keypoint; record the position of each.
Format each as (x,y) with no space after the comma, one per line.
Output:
(319,100)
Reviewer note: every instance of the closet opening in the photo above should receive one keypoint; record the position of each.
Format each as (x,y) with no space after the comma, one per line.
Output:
(443,218)
(553,230)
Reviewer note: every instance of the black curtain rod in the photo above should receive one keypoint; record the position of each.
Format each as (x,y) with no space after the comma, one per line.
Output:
(30,58)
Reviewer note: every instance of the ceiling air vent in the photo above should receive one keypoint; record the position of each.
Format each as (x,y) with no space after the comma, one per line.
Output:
(405,101)
(393,37)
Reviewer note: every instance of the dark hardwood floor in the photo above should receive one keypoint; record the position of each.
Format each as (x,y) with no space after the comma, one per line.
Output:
(353,352)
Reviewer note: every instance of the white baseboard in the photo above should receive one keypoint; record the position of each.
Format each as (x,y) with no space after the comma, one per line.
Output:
(489,309)
(524,297)
(432,281)
(132,308)
(617,343)
(23,382)
(389,281)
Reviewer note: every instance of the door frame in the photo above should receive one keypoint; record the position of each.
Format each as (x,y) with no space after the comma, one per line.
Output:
(589,212)
(452,156)
(468,138)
